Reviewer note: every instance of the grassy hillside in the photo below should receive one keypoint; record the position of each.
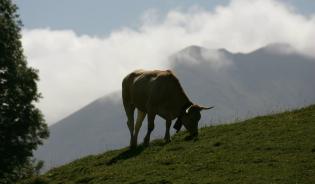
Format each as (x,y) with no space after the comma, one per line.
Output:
(278,148)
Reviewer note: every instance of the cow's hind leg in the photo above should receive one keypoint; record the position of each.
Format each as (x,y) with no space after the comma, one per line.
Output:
(140,118)
(130,122)
(167,136)
(150,129)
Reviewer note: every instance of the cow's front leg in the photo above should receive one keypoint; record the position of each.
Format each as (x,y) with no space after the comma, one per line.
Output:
(167,136)
(150,129)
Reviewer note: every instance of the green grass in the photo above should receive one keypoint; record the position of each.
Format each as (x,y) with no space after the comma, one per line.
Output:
(277,148)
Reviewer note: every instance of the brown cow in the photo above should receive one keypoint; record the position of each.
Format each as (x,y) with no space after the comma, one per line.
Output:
(158,93)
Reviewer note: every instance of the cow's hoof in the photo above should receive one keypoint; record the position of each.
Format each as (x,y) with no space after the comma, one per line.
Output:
(133,143)
(146,142)
(189,138)
(167,140)
(132,146)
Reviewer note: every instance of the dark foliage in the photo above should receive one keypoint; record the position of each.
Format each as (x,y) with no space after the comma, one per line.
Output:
(22,127)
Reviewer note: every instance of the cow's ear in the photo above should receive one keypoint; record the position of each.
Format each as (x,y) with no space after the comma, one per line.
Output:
(178,125)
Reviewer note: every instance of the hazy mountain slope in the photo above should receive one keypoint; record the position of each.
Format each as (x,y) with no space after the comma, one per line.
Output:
(271,149)
(269,79)
(244,85)
(81,133)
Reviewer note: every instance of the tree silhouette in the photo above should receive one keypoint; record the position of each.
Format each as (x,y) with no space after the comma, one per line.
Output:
(22,127)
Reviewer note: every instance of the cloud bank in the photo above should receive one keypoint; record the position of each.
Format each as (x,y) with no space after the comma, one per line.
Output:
(77,69)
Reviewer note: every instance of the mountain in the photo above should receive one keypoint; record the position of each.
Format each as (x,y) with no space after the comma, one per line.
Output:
(277,148)
(240,85)
(270,79)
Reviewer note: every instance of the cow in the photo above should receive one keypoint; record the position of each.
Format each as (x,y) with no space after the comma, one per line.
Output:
(158,93)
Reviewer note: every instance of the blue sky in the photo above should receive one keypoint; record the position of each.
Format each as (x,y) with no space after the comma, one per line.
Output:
(96,17)
(100,17)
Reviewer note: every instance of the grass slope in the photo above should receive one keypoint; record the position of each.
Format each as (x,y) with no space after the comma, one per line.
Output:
(278,148)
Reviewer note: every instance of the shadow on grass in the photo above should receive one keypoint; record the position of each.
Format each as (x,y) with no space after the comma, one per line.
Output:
(126,154)
(191,138)
(129,153)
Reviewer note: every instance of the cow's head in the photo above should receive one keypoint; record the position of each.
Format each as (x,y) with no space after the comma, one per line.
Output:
(190,119)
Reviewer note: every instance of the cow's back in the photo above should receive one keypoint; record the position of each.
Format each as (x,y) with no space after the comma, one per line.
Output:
(140,86)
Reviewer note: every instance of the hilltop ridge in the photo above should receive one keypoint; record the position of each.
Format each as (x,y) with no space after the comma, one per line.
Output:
(277,148)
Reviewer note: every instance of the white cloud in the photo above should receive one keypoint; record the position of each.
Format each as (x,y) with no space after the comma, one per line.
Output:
(75,70)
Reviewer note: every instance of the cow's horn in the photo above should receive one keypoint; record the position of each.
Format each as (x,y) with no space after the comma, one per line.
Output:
(187,110)
(205,108)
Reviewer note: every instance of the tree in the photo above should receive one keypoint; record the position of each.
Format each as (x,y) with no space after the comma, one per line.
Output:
(22,126)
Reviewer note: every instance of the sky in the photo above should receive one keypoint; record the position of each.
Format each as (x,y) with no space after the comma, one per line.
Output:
(83,49)
(101,17)
(98,17)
